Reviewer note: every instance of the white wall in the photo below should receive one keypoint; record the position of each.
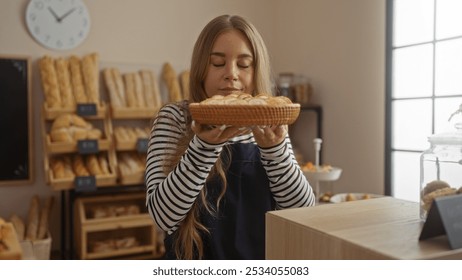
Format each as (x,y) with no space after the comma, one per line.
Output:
(339,44)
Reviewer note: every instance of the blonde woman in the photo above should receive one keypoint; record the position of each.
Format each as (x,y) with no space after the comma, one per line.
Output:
(209,188)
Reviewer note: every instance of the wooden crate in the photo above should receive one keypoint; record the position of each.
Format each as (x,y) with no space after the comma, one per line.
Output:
(106,220)
(51,113)
(104,144)
(106,180)
(133,113)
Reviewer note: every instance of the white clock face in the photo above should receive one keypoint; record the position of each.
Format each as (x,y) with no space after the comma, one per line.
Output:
(58,24)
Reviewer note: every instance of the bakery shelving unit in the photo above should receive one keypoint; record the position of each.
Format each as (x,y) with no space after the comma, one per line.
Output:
(135,235)
(114,226)
(132,148)
(84,148)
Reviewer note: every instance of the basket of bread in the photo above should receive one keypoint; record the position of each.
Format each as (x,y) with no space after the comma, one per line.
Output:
(244,109)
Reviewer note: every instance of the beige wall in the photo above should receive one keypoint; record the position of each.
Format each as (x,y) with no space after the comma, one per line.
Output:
(339,44)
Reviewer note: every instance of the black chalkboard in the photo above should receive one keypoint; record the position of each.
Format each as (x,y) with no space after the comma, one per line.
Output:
(15,121)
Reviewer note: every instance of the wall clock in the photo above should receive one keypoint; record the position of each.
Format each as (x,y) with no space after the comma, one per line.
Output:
(58,24)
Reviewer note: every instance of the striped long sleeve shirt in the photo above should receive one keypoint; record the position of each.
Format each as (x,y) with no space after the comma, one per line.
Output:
(171,196)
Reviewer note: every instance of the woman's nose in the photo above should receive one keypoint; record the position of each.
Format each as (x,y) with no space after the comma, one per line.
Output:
(231,72)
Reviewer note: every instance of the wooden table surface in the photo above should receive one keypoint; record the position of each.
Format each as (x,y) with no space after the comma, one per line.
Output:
(379,228)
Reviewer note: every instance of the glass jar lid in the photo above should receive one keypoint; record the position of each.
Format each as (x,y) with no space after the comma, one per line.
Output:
(450,138)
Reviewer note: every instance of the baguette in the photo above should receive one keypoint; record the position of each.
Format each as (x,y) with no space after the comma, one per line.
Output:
(77,81)
(119,83)
(78,166)
(90,77)
(103,164)
(92,164)
(49,82)
(148,90)
(44,218)
(184,79)
(64,81)
(19,226)
(130,90)
(140,100)
(171,80)
(111,88)
(156,90)
(33,219)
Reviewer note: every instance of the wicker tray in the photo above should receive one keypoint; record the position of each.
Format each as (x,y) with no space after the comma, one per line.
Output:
(244,115)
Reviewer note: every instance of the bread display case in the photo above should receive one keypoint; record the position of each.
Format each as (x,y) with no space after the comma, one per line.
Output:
(115,226)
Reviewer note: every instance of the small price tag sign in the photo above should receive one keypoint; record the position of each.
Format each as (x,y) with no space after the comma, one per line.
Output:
(445,217)
(87,109)
(142,145)
(88,146)
(85,183)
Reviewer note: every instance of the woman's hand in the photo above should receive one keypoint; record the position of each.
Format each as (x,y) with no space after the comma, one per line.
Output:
(269,136)
(218,134)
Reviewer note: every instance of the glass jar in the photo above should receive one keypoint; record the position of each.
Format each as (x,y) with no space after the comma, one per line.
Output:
(440,168)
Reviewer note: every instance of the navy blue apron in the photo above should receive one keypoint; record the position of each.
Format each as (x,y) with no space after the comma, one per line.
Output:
(237,230)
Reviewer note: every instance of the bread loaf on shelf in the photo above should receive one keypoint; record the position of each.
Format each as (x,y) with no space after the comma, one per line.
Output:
(77,83)
(114,96)
(139,91)
(64,81)
(90,71)
(129,81)
(117,76)
(71,128)
(93,166)
(103,163)
(50,82)
(61,168)
(131,163)
(184,81)
(78,166)
(171,80)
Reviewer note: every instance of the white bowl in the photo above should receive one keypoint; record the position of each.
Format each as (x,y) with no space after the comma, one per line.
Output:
(341,197)
(331,175)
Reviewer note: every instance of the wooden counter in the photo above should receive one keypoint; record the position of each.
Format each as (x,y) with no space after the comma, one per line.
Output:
(380,228)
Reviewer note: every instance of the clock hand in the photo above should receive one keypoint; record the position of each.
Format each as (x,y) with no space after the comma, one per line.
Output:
(66,14)
(54,14)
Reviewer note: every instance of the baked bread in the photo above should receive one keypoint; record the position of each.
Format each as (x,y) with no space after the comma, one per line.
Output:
(429,197)
(150,89)
(44,218)
(61,168)
(171,80)
(103,164)
(435,185)
(111,86)
(130,94)
(78,166)
(184,80)
(90,77)
(19,226)
(139,91)
(71,128)
(49,82)
(246,99)
(92,164)
(33,219)
(77,83)
(64,81)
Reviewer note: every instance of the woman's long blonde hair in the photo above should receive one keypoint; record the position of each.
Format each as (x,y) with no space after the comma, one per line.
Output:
(188,240)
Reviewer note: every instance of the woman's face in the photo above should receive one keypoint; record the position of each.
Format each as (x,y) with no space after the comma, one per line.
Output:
(231,65)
